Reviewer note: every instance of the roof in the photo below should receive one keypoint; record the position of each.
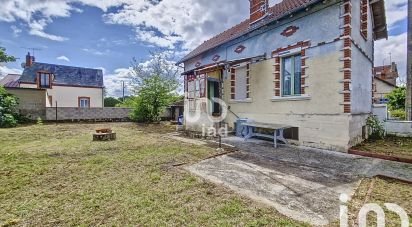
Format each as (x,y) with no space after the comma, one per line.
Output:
(65,75)
(380,30)
(275,12)
(278,11)
(11,80)
(386,82)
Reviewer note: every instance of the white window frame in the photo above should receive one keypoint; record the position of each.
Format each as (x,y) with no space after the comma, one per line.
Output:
(292,54)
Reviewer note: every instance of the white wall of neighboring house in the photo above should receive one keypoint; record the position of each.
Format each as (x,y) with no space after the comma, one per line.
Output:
(69,96)
(382,88)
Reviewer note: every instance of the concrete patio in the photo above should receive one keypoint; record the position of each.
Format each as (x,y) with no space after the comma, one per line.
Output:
(304,184)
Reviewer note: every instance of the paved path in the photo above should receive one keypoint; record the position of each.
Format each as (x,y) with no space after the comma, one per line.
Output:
(304,184)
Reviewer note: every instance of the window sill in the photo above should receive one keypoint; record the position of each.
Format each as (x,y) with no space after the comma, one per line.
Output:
(291,98)
(241,101)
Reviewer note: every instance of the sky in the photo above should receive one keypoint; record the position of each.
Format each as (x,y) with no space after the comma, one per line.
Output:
(107,34)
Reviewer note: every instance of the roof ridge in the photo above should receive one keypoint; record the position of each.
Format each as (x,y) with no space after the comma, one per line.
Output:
(66,66)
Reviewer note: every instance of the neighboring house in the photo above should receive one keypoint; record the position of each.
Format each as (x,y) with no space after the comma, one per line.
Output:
(10,80)
(384,82)
(67,86)
(304,63)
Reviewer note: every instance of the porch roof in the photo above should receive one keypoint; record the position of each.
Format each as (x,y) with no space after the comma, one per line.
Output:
(380,28)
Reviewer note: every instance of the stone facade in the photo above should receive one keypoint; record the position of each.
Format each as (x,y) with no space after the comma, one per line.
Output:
(98,114)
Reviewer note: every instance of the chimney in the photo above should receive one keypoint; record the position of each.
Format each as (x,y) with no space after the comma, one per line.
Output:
(29,60)
(258,10)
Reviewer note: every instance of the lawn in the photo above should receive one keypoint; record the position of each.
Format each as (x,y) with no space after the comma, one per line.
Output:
(55,175)
(380,191)
(391,146)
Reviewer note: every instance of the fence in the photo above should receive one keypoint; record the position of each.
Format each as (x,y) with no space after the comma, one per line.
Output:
(399,128)
(87,114)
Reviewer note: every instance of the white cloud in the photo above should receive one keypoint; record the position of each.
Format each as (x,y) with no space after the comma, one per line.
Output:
(63,58)
(16,30)
(96,52)
(113,82)
(4,70)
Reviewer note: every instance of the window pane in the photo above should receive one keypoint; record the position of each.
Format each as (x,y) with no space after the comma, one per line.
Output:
(298,75)
(286,76)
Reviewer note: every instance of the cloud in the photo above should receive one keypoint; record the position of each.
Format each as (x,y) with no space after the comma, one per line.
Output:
(16,30)
(63,58)
(113,82)
(179,23)
(96,52)
(4,70)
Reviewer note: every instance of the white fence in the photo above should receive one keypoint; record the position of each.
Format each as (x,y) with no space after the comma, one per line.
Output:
(399,128)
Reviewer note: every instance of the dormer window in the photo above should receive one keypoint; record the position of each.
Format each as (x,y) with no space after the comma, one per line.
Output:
(44,80)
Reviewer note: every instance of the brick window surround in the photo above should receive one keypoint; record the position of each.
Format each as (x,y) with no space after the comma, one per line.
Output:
(364,18)
(277,71)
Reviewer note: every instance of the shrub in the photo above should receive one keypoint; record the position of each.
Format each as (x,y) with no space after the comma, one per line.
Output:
(8,109)
(398,114)
(397,98)
(377,130)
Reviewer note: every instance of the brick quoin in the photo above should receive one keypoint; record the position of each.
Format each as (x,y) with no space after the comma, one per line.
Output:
(347,53)
(233,83)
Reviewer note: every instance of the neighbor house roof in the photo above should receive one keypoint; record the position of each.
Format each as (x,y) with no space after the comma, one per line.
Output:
(11,80)
(276,12)
(65,75)
(385,81)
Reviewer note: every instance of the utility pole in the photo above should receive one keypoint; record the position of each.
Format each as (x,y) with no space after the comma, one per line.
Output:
(123,87)
(409,65)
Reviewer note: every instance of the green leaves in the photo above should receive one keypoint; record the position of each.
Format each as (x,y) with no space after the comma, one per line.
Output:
(397,98)
(8,109)
(4,57)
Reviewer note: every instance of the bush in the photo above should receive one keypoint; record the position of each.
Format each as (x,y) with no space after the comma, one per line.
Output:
(399,114)
(377,130)
(397,98)
(8,109)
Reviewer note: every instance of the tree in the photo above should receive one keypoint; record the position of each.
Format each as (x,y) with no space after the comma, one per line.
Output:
(111,102)
(397,98)
(154,84)
(4,57)
(8,109)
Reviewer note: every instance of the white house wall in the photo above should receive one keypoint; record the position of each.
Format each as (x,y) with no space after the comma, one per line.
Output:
(68,96)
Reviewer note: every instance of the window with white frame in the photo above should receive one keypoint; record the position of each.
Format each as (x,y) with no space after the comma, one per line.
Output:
(291,75)
(241,83)
(84,102)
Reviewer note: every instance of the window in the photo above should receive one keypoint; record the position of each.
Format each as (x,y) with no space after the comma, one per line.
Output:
(44,80)
(241,83)
(291,76)
(84,102)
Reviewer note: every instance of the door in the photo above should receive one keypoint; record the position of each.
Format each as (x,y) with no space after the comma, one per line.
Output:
(213,92)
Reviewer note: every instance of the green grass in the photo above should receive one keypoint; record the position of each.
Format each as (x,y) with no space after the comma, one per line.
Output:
(55,175)
(392,146)
(381,191)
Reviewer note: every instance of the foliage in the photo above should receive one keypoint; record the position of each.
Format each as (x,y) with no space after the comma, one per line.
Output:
(39,121)
(4,57)
(154,84)
(111,102)
(397,98)
(8,109)
(154,95)
(129,102)
(376,127)
(398,114)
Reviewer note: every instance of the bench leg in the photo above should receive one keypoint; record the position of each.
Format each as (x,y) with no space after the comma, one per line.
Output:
(281,137)
(275,138)
(249,133)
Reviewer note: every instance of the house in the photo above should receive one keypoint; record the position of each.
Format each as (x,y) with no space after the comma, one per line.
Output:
(304,63)
(384,82)
(66,86)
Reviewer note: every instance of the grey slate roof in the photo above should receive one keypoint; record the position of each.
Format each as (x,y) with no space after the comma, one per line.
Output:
(65,75)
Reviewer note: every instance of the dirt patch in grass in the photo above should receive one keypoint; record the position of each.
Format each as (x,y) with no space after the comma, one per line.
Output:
(55,175)
(380,191)
(390,146)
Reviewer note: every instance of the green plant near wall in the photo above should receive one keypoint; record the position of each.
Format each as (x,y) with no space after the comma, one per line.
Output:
(9,115)
(377,131)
